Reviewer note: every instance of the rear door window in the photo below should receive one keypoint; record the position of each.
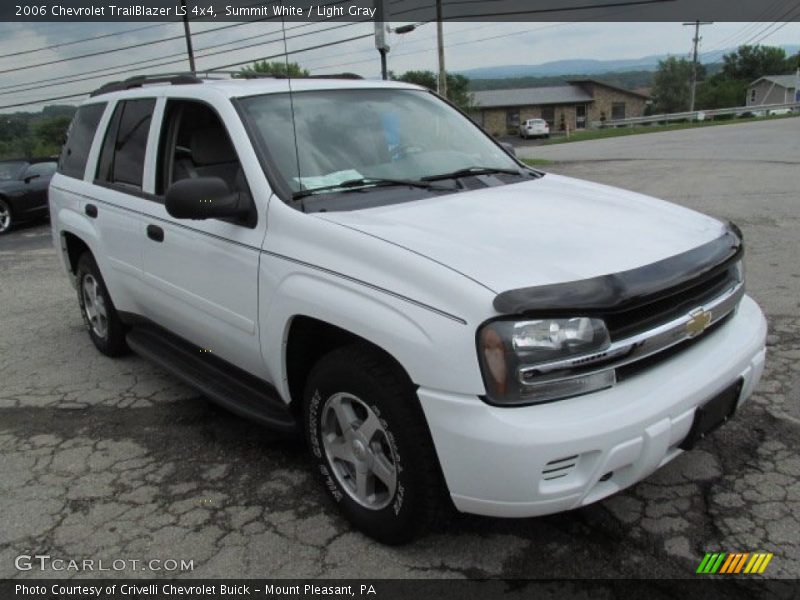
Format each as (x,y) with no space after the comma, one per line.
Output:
(125,144)
(75,152)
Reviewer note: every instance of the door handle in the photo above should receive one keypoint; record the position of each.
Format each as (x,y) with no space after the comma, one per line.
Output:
(90,210)
(155,233)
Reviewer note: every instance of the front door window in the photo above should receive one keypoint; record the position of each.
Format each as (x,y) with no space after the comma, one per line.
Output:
(580,116)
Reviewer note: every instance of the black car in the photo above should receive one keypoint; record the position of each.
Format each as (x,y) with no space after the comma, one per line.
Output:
(23,190)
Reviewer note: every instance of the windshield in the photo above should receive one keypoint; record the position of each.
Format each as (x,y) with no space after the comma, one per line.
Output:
(10,169)
(347,135)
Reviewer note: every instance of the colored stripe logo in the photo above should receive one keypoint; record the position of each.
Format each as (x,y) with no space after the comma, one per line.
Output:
(732,563)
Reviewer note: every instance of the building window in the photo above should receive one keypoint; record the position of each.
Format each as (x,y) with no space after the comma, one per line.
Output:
(580,116)
(512,120)
(752,95)
(549,115)
(617,110)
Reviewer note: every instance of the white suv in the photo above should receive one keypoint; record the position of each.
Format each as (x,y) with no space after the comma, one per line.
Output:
(533,128)
(359,262)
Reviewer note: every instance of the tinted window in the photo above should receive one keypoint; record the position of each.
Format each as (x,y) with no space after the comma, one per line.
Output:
(122,157)
(42,169)
(81,132)
(10,169)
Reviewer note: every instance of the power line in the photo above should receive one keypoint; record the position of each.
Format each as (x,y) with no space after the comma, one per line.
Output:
(121,48)
(216,68)
(401,42)
(161,62)
(766,35)
(543,10)
(741,35)
(317,47)
(466,42)
(83,40)
(126,32)
(112,50)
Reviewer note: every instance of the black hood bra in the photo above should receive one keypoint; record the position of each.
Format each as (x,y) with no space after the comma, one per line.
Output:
(628,289)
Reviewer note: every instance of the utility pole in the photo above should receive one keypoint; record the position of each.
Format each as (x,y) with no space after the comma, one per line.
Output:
(381,42)
(696,41)
(442,84)
(188,35)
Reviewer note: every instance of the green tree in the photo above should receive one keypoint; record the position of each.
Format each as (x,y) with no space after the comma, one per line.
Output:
(457,86)
(721,92)
(52,131)
(751,62)
(12,128)
(671,84)
(277,69)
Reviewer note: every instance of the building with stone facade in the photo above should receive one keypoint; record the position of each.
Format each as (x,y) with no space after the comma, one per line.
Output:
(575,105)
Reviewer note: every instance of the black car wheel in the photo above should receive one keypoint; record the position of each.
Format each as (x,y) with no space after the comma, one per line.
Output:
(6,217)
(370,445)
(105,327)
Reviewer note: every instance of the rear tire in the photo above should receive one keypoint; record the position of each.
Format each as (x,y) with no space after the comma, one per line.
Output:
(370,445)
(99,314)
(6,217)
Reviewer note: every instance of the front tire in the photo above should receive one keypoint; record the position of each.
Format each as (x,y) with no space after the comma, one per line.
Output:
(370,445)
(6,217)
(99,314)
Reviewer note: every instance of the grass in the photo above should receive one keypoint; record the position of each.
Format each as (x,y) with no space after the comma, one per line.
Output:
(536,162)
(598,134)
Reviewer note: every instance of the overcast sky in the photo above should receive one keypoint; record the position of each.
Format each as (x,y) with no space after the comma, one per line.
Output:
(468,45)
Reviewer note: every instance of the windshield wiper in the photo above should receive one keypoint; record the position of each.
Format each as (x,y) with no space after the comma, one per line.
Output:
(472,171)
(363,182)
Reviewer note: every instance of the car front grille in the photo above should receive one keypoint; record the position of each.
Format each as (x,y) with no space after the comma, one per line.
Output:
(670,304)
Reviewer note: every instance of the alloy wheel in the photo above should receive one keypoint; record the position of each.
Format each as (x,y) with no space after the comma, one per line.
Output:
(359,451)
(94,306)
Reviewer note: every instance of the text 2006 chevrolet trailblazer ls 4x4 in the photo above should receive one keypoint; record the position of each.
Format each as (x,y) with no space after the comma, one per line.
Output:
(358,261)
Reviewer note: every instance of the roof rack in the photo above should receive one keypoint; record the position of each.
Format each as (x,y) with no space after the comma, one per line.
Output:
(141,80)
(192,78)
(253,75)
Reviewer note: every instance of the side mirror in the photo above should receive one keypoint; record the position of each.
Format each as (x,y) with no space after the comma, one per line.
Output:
(204,198)
(509,148)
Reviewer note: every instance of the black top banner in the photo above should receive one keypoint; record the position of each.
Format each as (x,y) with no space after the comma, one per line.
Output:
(398,10)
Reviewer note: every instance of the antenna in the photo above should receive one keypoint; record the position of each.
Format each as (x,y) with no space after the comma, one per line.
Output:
(291,99)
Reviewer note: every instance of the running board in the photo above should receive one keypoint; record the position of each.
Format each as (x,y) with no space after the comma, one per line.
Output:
(223,383)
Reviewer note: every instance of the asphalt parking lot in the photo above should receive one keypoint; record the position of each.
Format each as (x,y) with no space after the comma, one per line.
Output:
(109,459)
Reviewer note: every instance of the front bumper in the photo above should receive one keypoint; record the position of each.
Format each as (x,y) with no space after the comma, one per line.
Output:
(537,460)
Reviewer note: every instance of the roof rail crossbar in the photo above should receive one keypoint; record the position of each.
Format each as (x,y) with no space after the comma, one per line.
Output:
(141,80)
(253,75)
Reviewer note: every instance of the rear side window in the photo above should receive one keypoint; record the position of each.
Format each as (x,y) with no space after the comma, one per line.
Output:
(75,152)
(125,144)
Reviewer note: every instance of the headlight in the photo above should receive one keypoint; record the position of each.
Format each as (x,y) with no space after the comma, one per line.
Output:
(510,350)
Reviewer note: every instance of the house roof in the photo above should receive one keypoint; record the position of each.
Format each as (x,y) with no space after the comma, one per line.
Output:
(608,85)
(560,94)
(787,81)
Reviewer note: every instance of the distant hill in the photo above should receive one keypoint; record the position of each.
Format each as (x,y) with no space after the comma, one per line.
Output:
(630,80)
(584,66)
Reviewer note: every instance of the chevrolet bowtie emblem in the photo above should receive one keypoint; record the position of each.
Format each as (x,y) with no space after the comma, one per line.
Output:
(699,320)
